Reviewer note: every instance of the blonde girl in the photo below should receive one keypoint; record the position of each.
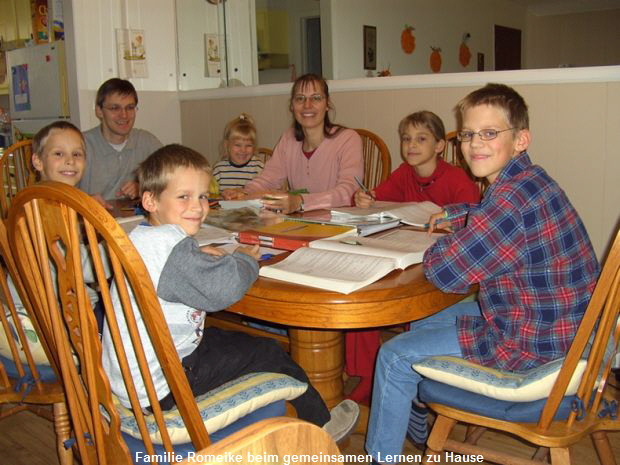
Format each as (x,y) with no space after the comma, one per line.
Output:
(239,162)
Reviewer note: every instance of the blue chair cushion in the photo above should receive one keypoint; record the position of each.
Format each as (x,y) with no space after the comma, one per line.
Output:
(431,391)
(139,454)
(219,407)
(46,373)
(526,386)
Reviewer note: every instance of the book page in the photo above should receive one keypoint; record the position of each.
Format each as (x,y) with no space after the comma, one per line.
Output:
(417,213)
(255,204)
(404,240)
(208,234)
(377,209)
(413,213)
(405,247)
(327,269)
(128,223)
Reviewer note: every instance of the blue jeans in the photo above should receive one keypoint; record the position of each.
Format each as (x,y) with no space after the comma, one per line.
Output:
(396,383)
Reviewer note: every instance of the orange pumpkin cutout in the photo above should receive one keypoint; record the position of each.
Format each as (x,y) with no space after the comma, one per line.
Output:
(464,53)
(435,59)
(407,39)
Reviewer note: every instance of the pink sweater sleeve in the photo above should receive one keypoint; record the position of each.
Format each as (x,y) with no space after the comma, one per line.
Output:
(275,171)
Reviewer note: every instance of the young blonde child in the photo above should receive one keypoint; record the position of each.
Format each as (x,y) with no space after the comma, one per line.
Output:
(192,281)
(423,175)
(239,163)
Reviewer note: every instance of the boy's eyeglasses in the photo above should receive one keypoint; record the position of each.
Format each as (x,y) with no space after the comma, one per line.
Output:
(118,108)
(484,134)
(300,99)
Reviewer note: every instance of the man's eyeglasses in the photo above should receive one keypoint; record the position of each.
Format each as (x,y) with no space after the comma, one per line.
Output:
(300,99)
(118,108)
(484,134)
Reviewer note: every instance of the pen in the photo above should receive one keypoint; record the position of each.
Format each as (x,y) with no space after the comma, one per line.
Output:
(265,256)
(364,188)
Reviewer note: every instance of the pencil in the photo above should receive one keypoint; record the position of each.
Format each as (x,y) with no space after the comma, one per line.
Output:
(364,188)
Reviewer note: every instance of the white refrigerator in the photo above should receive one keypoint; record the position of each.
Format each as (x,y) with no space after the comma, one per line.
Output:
(37,87)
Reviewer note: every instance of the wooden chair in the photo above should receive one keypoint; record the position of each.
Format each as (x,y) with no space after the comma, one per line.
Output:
(274,437)
(47,222)
(27,380)
(16,172)
(453,155)
(264,153)
(591,411)
(377,160)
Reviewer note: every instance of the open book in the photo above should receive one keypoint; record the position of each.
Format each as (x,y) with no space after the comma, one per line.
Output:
(351,263)
(413,213)
(206,235)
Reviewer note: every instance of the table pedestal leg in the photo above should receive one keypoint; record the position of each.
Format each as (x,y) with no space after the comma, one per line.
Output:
(321,355)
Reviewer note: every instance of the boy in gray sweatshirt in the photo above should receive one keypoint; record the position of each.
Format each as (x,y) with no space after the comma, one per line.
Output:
(191,281)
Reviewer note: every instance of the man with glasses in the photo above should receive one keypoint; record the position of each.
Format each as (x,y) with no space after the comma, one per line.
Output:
(114,147)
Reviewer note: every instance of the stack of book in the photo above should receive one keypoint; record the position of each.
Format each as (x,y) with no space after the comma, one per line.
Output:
(411,213)
(292,234)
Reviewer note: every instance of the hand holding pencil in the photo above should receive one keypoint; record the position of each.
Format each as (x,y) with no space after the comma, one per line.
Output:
(364,197)
(439,221)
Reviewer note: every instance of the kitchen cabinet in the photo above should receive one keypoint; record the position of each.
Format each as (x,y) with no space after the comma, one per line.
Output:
(216,45)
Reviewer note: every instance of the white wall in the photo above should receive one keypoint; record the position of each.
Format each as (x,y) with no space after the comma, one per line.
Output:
(91,26)
(437,23)
(579,39)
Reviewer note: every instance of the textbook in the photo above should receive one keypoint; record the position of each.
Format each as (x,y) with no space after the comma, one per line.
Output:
(412,213)
(350,263)
(291,235)
(206,235)
(366,225)
(255,204)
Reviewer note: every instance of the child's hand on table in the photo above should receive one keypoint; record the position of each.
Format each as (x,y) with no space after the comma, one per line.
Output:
(439,221)
(212,251)
(251,250)
(364,200)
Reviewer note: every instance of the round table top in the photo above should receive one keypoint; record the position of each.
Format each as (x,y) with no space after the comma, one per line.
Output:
(399,297)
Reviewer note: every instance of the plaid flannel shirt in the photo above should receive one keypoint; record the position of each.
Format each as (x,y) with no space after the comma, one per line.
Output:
(530,253)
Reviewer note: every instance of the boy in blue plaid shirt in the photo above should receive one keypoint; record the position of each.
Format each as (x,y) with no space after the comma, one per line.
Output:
(525,246)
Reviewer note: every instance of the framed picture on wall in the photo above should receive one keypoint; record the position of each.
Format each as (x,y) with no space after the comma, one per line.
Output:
(370,47)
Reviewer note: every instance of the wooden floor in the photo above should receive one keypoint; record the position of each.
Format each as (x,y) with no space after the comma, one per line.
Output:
(26,439)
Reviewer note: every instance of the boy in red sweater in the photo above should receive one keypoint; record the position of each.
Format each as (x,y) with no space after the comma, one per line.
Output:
(422,176)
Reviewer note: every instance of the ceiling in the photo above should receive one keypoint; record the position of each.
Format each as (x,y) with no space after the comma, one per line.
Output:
(559,7)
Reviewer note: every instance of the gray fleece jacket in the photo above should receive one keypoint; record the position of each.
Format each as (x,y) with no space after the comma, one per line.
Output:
(189,283)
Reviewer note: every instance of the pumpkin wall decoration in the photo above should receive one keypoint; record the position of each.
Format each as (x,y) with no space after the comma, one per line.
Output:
(464,53)
(407,39)
(435,59)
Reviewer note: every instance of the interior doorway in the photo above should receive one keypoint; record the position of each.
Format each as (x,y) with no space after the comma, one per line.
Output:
(507,48)
(311,45)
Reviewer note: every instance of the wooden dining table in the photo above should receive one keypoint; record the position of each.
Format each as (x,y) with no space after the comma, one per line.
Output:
(317,318)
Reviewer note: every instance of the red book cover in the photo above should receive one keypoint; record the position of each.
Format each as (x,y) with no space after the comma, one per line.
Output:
(291,235)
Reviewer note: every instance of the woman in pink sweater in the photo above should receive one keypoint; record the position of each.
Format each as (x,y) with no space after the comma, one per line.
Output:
(318,158)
